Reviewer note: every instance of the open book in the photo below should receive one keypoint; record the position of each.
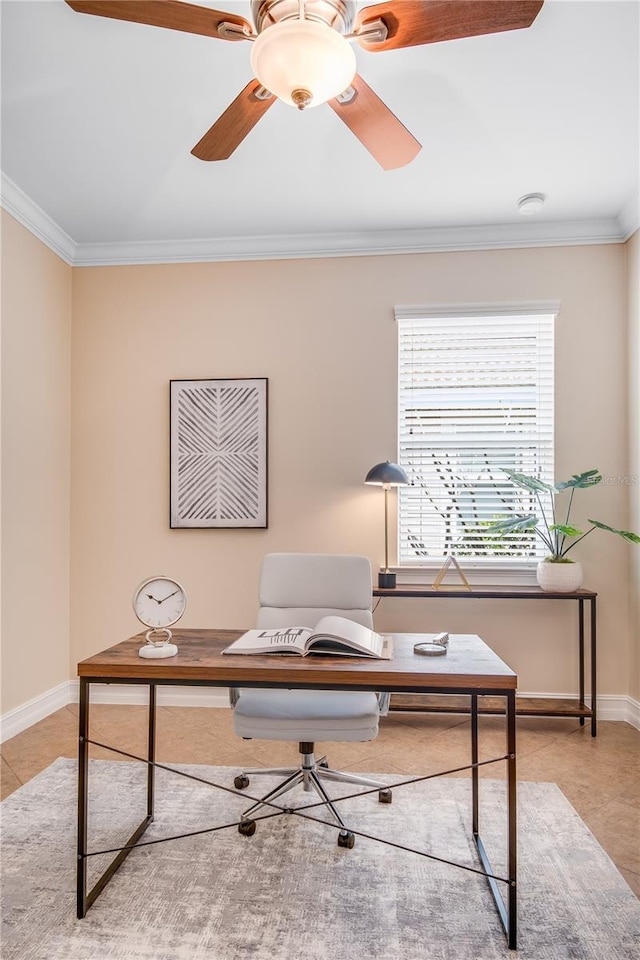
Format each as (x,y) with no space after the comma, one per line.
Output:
(333,635)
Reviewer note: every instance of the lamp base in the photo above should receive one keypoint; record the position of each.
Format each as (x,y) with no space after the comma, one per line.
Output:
(386,580)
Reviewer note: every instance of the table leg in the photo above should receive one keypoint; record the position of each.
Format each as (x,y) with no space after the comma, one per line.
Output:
(84,898)
(581,652)
(512,933)
(474,760)
(594,691)
(151,752)
(83,773)
(506,911)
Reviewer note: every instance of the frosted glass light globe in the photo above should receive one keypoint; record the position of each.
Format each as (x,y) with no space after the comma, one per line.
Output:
(298,57)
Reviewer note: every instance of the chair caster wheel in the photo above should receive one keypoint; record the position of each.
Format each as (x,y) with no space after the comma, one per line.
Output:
(247,828)
(241,782)
(385,796)
(346,839)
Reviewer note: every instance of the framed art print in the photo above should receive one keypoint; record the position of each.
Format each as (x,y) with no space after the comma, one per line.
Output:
(219,453)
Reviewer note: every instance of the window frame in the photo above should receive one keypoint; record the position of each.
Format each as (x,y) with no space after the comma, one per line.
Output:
(515,570)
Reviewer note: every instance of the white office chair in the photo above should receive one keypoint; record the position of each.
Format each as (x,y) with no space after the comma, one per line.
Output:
(297,590)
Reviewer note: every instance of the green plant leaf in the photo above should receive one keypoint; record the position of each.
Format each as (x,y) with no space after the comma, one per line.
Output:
(529,483)
(513,525)
(631,537)
(587,479)
(567,531)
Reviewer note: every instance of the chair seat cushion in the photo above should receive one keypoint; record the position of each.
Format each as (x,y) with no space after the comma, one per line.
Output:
(310,715)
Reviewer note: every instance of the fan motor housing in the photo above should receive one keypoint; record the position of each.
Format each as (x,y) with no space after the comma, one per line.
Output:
(338,14)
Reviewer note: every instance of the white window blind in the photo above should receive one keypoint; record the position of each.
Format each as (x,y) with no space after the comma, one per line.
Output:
(475,395)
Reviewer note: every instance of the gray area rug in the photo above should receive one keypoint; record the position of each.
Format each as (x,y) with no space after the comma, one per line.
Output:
(289,892)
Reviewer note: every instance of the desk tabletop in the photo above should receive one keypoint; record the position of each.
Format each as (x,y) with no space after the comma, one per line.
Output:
(468,663)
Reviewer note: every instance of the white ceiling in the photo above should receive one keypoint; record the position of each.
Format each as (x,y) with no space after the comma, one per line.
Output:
(99,117)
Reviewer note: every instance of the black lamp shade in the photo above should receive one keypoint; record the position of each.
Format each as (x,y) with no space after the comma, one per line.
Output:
(387,473)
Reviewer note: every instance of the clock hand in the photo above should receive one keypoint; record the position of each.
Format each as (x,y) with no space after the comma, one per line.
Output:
(170,595)
(151,597)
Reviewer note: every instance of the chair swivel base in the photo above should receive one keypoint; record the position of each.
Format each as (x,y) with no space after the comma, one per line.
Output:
(310,774)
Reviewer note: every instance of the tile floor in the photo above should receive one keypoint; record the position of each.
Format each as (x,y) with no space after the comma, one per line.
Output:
(600,777)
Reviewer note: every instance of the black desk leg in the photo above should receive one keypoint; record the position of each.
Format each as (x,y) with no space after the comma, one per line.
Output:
(151,752)
(84,899)
(83,773)
(594,691)
(581,652)
(474,760)
(512,933)
(507,908)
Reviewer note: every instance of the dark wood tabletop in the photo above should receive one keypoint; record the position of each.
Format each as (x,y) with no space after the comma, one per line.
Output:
(501,592)
(468,663)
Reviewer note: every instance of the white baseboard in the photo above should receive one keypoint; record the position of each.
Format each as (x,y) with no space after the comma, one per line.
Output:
(167,696)
(24,716)
(610,707)
(633,712)
(21,718)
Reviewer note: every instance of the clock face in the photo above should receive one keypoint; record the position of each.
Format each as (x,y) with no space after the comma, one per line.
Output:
(159,602)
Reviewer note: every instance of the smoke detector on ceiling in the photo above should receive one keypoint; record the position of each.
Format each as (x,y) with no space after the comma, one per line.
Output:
(531,204)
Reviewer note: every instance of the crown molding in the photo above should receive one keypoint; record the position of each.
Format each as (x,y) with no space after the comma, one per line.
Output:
(304,246)
(39,223)
(374,243)
(629,216)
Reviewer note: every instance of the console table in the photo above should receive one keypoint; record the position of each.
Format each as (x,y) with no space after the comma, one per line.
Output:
(526,706)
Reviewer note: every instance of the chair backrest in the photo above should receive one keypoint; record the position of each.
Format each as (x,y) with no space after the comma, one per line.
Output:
(297,589)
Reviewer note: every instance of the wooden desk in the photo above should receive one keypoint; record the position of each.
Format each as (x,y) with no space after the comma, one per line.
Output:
(470,668)
(525,706)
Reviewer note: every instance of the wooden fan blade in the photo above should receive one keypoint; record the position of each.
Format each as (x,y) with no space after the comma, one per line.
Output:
(171,14)
(233,125)
(376,127)
(412,22)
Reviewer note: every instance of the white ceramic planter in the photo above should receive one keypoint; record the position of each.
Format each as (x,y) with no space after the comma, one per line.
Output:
(559,577)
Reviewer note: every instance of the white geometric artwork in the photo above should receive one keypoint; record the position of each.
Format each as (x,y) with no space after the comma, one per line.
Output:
(219,453)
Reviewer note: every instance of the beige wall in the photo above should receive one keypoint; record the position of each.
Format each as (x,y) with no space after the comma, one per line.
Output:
(323,332)
(633,286)
(36,329)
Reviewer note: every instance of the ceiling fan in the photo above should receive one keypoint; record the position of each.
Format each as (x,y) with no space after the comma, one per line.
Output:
(301,54)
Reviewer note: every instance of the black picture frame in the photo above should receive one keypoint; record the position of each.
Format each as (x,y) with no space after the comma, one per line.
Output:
(218,453)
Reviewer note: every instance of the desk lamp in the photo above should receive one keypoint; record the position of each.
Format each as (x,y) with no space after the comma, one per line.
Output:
(386,475)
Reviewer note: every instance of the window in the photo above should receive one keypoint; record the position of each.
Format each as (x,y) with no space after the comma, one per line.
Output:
(475,396)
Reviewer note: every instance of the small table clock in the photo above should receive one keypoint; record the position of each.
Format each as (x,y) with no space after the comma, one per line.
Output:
(158,603)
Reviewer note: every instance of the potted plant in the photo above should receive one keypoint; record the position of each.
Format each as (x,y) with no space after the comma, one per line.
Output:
(557,573)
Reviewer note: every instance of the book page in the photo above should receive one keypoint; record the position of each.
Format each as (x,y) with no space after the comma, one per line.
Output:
(354,635)
(274,640)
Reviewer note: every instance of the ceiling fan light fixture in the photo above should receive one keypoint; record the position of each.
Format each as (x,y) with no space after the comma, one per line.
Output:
(303,62)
